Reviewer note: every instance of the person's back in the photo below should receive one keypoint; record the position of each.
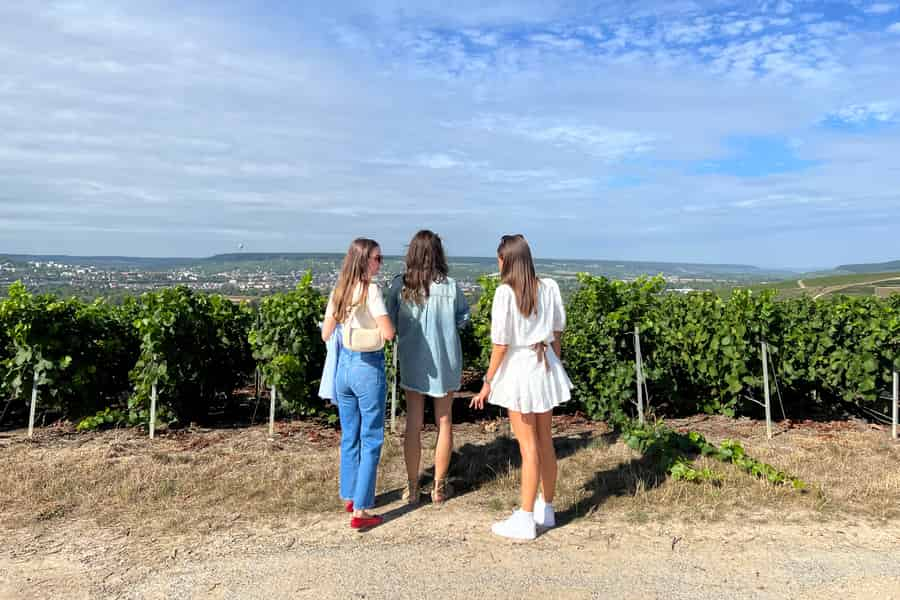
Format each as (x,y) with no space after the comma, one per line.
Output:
(430,353)
(357,313)
(525,376)
(428,307)
(548,317)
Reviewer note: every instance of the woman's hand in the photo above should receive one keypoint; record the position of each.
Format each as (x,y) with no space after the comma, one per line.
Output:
(480,397)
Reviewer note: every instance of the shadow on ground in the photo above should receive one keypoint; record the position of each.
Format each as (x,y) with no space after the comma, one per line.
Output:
(475,465)
(625,479)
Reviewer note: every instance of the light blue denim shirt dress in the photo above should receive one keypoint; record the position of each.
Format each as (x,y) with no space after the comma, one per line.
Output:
(430,353)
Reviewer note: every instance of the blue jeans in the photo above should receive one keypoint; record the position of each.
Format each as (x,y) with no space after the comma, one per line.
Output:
(361,388)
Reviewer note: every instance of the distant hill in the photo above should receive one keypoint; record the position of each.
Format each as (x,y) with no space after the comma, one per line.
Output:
(885,267)
(838,283)
(106,262)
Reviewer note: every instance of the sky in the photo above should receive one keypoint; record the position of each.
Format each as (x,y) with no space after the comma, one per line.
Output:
(765,133)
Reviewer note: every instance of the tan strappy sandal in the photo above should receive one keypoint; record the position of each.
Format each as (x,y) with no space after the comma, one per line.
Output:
(441,491)
(412,494)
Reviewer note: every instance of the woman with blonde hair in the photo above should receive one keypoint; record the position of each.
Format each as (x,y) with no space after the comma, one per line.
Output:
(428,308)
(526,377)
(356,312)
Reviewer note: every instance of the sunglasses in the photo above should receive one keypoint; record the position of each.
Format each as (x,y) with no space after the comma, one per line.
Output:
(379,258)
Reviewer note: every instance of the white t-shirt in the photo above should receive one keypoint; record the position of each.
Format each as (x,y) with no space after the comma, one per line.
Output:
(366,315)
(509,327)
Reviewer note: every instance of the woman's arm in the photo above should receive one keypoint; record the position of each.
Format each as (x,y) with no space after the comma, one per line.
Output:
(498,353)
(328,326)
(557,344)
(386,326)
(379,312)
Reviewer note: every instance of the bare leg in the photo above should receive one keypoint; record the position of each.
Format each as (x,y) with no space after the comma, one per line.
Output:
(412,442)
(524,426)
(546,454)
(443,418)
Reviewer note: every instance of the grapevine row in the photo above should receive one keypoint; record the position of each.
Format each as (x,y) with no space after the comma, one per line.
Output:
(96,362)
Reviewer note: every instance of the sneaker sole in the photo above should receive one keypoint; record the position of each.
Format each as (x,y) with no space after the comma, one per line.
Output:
(514,537)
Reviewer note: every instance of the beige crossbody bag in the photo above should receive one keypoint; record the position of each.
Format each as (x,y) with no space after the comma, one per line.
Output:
(360,339)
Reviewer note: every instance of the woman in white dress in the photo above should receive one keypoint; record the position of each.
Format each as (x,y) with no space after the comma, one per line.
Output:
(526,377)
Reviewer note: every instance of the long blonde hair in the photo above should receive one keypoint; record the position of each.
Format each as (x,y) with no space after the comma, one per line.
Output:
(354,274)
(518,272)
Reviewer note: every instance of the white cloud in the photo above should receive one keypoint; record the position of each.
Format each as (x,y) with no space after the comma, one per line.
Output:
(571,185)
(895,28)
(782,200)
(602,142)
(880,8)
(438,161)
(555,41)
(829,28)
(481,38)
(883,112)
(134,131)
(784,7)
(688,33)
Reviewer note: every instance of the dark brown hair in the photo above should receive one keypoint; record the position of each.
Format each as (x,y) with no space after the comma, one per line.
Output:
(518,272)
(425,264)
(354,273)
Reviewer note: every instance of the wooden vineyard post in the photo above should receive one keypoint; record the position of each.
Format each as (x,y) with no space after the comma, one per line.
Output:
(394,389)
(33,407)
(272,413)
(896,404)
(765,361)
(639,373)
(153,398)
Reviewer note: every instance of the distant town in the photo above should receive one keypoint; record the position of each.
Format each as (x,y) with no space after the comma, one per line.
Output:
(252,275)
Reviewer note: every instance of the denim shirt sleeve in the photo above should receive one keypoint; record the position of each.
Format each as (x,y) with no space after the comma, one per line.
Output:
(392,299)
(463,315)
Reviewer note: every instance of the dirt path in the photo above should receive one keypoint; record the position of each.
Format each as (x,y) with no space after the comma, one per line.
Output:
(449,553)
(837,288)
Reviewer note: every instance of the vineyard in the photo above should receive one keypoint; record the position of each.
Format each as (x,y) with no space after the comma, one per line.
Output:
(96,363)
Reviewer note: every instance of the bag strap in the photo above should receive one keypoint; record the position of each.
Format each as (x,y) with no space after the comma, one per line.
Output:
(352,313)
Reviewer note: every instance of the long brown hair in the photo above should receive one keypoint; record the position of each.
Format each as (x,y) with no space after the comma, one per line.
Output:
(354,273)
(518,272)
(425,264)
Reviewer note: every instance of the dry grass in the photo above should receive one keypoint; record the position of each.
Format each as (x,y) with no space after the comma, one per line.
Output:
(186,481)
(851,472)
(202,480)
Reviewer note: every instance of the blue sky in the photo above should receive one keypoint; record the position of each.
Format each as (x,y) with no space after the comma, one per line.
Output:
(756,132)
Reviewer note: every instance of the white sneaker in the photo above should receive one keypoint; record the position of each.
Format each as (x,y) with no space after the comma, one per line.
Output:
(544,515)
(520,526)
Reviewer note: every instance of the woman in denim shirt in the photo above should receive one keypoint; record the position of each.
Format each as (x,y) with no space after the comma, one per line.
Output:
(428,308)
(360,383)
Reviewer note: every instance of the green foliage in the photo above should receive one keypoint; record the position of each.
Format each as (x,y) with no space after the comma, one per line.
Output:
(288,347)
(598,343)
(109,417)
(702,353)
(194,347)
(708,350)
(673,453)
(79,354)
(844,347)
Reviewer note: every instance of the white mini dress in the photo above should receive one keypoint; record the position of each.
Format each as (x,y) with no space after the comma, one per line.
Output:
(524,383)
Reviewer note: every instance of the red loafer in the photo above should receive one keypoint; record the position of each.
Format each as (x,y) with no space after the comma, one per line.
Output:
(349,506)
(366,522)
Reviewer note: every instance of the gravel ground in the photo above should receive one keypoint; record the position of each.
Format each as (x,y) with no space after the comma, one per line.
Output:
(449,553)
